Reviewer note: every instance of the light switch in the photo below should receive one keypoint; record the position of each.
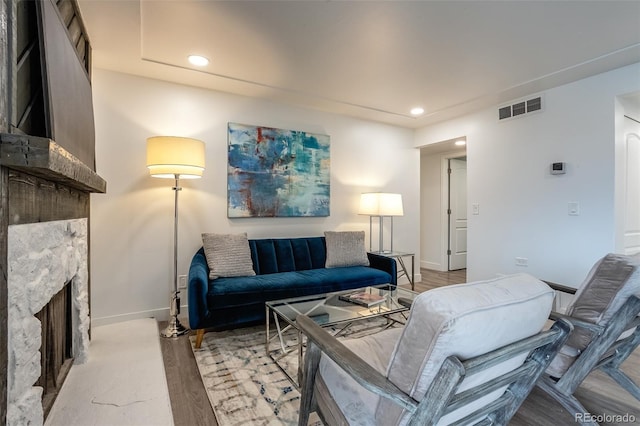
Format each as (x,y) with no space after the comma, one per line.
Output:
(574,208)
(182,281)
(475,209)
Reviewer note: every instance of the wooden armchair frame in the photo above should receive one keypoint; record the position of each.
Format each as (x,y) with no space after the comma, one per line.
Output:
(606,351)
(441,397)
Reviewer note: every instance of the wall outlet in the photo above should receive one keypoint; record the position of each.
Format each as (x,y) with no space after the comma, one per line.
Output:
(574,208)
(182,281)
(522,261)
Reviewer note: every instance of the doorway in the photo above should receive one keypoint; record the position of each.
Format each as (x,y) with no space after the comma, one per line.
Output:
(628,174)
(632,194)
(434,202)
(457,213)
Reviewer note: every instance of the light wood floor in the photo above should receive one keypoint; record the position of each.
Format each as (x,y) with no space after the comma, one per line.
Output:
(599,394)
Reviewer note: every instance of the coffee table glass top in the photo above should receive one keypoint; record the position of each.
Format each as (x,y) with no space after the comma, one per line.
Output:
(328,309)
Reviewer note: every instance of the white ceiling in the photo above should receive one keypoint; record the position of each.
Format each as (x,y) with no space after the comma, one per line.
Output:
(373,60)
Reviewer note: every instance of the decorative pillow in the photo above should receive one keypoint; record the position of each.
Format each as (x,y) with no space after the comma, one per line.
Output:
(345,249)
(228,255)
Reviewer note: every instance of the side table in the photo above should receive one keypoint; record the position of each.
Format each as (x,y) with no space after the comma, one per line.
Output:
(399,256)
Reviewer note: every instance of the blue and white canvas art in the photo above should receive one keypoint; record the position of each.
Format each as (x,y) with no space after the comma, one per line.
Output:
(276,172)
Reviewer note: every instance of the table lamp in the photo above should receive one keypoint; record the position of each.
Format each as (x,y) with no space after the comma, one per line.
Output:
(380,205)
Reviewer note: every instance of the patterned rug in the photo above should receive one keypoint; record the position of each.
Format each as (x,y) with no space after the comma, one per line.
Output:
(245,387)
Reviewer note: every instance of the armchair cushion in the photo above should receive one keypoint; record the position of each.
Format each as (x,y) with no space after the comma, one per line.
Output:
(609,284)
(352,398)
(611,281)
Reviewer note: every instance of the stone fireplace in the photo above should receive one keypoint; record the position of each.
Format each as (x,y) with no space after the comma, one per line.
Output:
(47,173)
(47,233)
(43,258)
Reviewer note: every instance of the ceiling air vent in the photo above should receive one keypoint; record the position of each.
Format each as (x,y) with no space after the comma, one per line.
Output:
(504,112)
(534,104)
(520,108)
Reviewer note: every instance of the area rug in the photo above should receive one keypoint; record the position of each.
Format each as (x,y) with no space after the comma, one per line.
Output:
(245,387)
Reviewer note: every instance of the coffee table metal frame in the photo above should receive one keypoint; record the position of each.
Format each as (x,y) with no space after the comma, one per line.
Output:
(345,313)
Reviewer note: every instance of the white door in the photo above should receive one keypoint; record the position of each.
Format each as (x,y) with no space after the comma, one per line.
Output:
(632,196)
(457,213)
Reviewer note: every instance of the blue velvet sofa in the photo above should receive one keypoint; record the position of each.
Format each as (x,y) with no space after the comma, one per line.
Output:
(284,267)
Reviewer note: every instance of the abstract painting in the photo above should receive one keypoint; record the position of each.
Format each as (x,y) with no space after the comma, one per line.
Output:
(276,172)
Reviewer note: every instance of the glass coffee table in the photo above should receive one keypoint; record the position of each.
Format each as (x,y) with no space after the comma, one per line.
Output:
(328,310)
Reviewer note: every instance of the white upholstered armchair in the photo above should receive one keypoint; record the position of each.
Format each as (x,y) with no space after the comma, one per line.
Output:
(468,354)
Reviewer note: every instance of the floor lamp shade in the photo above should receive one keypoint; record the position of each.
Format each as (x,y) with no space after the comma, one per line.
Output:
(168,156)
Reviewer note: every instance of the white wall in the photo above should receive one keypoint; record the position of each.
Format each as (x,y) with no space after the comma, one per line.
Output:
(132,224)
(524,209)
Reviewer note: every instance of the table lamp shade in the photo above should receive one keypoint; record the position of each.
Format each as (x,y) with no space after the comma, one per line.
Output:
(381,204)
(168,156)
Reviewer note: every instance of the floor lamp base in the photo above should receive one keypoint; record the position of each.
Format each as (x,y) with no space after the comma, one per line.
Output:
(174,329)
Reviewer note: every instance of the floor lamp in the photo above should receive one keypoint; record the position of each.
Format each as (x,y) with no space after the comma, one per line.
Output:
(380,205)
(173,157)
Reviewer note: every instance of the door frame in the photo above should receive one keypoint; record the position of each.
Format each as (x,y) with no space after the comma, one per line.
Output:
(444,202)
(631,236)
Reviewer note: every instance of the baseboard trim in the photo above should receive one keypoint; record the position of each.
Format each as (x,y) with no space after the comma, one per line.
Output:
(161,314)
(434,266)
(404,280)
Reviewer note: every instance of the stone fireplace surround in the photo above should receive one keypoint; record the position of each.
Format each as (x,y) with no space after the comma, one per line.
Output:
(42,258)
(46,243)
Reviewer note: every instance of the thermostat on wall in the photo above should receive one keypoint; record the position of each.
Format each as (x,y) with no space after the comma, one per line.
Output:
(558,168)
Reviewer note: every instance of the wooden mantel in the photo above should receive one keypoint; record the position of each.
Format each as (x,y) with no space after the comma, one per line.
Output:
(44,158)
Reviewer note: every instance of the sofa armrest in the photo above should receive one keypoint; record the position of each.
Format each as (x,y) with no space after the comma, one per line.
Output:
(198,285)
(386,264)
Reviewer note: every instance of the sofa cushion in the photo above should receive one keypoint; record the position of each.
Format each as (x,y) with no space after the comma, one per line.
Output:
(345,249)
(228,255)
(275,255)
(338,277)
(244,291)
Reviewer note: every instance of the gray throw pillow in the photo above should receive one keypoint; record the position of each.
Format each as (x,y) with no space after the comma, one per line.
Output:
(228,255)
(345,249)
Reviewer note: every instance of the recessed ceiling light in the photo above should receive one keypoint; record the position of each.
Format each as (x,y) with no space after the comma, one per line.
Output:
(461,143)
(199,61)
(417,111)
